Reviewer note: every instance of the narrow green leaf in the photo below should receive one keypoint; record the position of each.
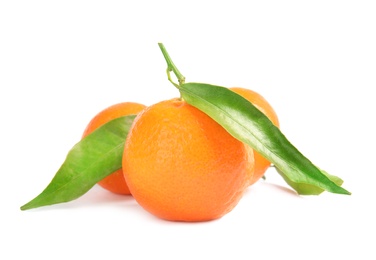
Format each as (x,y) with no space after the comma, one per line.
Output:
(90,160)
(246,123)
(308,189)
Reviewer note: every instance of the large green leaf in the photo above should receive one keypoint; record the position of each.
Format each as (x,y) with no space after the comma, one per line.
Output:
(246,123)
(90,160)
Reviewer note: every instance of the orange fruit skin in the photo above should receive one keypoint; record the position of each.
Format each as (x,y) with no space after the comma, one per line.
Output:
(261,164)
(114,182)
(180,165)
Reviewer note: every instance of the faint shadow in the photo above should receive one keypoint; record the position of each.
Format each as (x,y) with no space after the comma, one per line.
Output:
(284,189)
(96,196)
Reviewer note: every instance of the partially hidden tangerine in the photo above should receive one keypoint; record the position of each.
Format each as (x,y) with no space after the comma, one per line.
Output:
(181,165)
(261,164)
(114,182)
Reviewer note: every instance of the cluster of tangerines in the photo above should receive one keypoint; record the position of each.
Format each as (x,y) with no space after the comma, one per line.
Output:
(178,163)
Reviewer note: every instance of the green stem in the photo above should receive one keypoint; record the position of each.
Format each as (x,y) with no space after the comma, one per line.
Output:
(171,67)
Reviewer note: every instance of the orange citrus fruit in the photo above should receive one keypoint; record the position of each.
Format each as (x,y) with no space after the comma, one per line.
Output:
(181,165)
(261,164)
(114,182)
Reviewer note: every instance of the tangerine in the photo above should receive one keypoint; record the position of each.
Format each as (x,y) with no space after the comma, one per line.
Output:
(114,182)
(181,165)
(261,164)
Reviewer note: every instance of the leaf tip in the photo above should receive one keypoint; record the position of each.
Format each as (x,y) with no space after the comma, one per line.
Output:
(25,207)
(30,205)
(347,192)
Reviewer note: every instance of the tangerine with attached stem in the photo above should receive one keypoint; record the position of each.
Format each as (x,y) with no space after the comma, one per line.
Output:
(180,164)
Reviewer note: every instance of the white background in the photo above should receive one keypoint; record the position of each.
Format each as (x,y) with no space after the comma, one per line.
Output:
(63,61)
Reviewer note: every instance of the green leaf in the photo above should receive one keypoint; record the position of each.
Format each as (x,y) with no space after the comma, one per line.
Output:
(307,189)
(90,160)
(247,124)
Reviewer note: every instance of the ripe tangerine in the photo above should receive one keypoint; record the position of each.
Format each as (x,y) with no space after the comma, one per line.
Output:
(181,165)
(261,164)
(114,182)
